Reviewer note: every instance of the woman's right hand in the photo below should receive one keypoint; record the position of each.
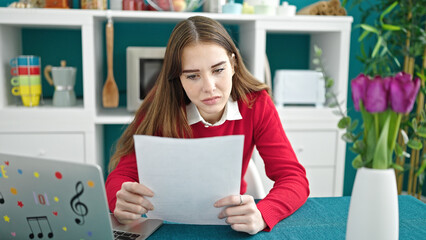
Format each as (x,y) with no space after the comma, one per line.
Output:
(131,202)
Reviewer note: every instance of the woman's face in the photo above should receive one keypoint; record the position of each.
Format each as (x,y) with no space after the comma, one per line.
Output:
(207,78)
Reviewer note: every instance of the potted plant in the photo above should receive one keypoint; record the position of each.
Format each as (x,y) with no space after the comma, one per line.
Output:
(385,96)
(398,34)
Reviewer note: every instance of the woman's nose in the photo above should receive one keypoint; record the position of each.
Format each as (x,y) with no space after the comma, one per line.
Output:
(209,84)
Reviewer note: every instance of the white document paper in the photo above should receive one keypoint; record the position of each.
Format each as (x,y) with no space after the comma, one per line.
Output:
(188,176)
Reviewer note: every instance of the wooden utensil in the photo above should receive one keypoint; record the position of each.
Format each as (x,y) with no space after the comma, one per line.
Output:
(110,90)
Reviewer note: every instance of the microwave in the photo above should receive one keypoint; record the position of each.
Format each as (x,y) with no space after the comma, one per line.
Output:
(143,67)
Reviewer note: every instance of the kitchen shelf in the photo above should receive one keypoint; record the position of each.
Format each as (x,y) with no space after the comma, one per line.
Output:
(306,127)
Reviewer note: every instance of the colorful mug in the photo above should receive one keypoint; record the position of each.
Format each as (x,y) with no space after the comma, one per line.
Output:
(26,90)
(26,80)
(25,70)
(25,60)
(30,100)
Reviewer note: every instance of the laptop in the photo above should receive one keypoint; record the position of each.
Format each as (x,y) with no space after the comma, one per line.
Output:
(47,199)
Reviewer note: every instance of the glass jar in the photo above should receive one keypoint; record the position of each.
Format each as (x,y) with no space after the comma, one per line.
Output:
(93,4)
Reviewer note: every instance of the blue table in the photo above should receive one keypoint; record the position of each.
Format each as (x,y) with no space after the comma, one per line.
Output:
(318,218)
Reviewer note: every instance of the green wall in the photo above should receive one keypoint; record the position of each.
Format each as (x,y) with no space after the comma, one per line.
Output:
(284,51)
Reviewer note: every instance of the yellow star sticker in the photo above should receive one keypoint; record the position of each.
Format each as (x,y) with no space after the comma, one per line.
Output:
(64,228)
(56,199)
(6,218)
(36,174)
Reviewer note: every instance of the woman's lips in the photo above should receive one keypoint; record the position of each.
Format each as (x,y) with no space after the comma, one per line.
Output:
(211,101)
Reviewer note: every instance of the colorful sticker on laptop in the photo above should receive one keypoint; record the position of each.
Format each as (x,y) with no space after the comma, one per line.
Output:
(78,207)
(3,172)
(58,175)
(40,227)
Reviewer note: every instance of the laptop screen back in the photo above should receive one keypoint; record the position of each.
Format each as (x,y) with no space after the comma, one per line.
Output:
(44,199)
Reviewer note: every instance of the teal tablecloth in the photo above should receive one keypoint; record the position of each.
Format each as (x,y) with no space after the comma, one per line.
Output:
(318,218)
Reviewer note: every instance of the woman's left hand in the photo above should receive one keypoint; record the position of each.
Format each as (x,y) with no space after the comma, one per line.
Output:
(241,213)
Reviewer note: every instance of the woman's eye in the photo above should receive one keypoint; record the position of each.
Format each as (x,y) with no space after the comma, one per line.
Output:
(192,76)
(219,70)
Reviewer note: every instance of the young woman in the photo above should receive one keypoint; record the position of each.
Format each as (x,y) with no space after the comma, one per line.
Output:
(204,90)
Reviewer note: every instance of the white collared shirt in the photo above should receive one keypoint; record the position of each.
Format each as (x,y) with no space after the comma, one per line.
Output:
(231,112)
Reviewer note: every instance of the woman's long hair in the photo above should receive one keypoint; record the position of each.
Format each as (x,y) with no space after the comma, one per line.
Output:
(163,111)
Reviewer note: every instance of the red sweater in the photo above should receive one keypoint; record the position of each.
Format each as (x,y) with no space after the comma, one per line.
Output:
(262,127)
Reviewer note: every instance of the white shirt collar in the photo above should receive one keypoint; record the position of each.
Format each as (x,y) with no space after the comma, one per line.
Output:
(231,112)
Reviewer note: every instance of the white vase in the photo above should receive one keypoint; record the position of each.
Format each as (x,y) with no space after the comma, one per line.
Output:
(373,210)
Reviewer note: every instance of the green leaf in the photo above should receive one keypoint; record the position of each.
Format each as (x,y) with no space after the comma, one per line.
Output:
(348,137)
(358,147)
(357,162)
(367,117)
(369,28)
(316,61)
(354,125)
(329,94)
(398,150)
(387,11)
(421,132)
(370,143)
(414,124)
(415,144)
(396,61)
(329,83)
(391,27)
(380,160)
(421,76)
(317,50)
(377,47)
(332,104)
(397,167)
(363,35)
(344,122)
(395,120)
(422,168)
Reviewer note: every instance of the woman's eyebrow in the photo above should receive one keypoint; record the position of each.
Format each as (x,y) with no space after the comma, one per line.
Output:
(190,71)
(197,70)
(217,64)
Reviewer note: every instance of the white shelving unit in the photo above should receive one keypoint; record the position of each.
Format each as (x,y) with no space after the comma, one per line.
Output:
(76,133)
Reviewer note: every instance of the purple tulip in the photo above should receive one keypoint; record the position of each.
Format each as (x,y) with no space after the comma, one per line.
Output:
(376,97)
(358,86)
(403,92)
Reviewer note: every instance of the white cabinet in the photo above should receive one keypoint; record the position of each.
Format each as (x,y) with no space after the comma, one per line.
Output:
(76,133)
(59,146)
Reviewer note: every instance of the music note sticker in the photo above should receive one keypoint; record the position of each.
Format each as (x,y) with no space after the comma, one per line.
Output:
(1,198)
(77,206)
(40,219)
